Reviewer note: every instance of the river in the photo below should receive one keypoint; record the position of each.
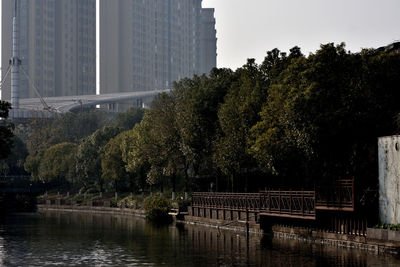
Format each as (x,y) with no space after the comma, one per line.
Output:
(79,239)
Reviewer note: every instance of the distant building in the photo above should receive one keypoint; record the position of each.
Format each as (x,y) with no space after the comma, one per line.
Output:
(146,45)
(57,46)
(208,41)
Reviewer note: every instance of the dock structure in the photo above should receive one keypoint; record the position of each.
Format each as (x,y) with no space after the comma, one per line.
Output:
(330,207)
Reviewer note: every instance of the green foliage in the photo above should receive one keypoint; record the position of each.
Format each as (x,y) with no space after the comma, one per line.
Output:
(88,157)
(196,109)
(112,164)
(157,207)
(131,202)
(292,119)
(58,163)
(41,134)
(32,164)
(6,128)
(236,116)
(395,227)
(127,120)
(323,114)
(16,159)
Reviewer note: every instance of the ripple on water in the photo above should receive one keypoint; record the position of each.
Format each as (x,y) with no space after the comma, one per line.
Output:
(69,239)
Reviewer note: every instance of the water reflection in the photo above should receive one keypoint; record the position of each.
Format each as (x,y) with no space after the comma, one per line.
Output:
(77,239)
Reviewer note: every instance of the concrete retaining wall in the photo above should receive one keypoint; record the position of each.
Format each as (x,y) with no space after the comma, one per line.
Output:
(100,210)
(389,179)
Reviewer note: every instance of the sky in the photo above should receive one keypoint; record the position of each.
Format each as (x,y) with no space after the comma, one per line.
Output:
(249,28)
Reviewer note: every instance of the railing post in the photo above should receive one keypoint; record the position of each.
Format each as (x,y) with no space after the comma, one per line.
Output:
(352,193)
(313,211)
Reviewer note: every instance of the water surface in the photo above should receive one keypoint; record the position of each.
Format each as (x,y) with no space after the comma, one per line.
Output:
(79,239)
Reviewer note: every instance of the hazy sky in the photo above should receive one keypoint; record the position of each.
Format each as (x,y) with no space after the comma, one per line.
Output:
(249,28)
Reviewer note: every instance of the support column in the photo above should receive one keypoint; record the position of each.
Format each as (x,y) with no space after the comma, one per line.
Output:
(15,62)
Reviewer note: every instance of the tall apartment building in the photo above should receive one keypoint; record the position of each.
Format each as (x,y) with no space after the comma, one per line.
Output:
(57,46)
(148,44)
(208,45)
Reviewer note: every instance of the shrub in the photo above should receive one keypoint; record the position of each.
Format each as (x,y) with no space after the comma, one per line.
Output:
(157,208)
(395,227)
(131,202)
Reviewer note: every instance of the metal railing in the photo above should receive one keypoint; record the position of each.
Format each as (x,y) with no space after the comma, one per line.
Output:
(339,196)
(232,201)
(276,203)
(289,203)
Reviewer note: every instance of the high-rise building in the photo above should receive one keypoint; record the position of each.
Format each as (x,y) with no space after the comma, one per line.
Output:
(208,45)
(144,45)
(57,46)
(148,44)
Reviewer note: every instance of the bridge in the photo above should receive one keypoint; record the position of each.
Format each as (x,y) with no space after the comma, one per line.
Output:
(282,203)
(328,208)
(49,106)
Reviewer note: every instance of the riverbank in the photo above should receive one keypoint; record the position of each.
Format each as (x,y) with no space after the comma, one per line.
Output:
(376,241)
(91,209)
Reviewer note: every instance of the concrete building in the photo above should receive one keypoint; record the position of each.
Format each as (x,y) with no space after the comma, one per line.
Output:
(57,46)
(208,45)
(146,45)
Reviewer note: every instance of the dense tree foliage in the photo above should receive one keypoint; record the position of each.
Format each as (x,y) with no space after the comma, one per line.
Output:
(14,163)
(293,120)
(6,128)
(324,113)
(88,157)
(58,164)
(236,116)
(126,120)
(51,141)
(114,173)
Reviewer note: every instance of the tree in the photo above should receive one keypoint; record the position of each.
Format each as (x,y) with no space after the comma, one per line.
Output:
(32,164)
(323,114)
(58,164)
(155,143)
(237,115)
(127,120)
(41,134)
(112,164)
(88,159)
(6,129)
(196,108)
(16,159)
(134,154)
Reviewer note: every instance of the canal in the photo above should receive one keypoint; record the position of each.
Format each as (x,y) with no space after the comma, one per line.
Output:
(78,239)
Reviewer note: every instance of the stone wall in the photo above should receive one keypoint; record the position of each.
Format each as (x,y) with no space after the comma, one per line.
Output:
(389,179)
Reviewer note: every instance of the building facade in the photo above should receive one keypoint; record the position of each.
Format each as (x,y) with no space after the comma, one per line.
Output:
(57,46)
(146,45)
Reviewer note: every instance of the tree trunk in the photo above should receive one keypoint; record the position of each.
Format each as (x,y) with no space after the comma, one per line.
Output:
(173,186)
(186,182)
(232,183)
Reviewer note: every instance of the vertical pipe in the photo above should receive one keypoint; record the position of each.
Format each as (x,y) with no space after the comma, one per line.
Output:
(15,62)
